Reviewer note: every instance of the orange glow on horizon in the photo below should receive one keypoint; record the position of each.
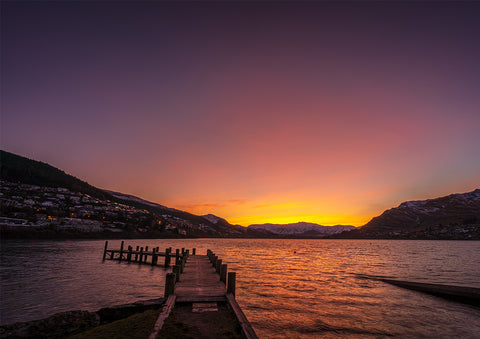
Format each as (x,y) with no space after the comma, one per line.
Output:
(279,211)
(317,219)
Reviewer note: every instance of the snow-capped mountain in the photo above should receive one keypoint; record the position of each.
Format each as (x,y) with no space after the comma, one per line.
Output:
(452,210)
(300,229)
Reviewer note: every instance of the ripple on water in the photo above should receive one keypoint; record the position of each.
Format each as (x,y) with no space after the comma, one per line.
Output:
(318,291)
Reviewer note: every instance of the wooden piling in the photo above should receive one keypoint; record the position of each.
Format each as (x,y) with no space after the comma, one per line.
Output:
(105,250)
(182,264)
(129,255)
(136,254)
(176,270)
(170,284)
(231,282)
(217,265)
(167,258)
(223,273)
(141,254)
(193,251)
(120,257)
(154,257)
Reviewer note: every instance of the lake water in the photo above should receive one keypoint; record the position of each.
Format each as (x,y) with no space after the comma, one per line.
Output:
(287,288)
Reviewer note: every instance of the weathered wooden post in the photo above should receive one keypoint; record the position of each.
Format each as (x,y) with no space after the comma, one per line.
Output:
(154,256)
(193,251)
(129,255)
(136,254)
(121,251)
(170,284)
(105,250)
(167,258)
(211,257)
(146,248)
(217,265)
(183,250)
(214,262)
(231,282)
(182,263)
(141,254)
(176,270)
(223,273)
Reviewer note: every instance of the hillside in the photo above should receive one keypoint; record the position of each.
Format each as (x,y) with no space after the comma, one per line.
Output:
(456,216)
(41,200)
(15,168)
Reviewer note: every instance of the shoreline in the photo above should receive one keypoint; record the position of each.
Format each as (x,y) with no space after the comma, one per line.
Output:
(68,323)
(42,233)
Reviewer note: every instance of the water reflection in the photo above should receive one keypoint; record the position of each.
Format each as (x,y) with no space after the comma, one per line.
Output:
(287,288)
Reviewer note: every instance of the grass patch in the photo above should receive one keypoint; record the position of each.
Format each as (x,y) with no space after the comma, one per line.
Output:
(137,326)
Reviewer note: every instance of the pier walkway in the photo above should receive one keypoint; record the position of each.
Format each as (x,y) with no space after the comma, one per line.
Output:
(200,294)
(199,282)
(201,302)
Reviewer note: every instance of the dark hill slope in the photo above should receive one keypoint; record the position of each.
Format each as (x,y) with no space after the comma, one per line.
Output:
(412,215)
(15,168)
(456,216)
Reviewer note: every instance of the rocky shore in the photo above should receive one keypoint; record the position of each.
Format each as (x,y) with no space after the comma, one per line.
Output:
(65,324)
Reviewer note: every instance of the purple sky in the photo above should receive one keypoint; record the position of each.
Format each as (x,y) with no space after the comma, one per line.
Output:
(254,111)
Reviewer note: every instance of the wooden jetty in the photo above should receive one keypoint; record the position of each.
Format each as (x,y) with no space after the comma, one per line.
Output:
(204,286)
(143,255)
(199,291)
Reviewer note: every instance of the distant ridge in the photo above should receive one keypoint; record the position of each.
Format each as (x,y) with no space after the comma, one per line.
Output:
(300,229)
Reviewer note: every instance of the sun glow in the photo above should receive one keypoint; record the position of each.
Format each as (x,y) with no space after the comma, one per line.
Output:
(276,210)
(318,219)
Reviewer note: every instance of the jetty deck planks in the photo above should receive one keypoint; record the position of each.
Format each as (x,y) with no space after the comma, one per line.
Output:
(202,303)
(199,281)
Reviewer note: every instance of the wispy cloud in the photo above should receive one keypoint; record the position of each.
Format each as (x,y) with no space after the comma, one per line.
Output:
(211,207)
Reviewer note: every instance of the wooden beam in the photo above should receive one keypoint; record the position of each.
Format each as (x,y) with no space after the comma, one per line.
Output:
(167,308)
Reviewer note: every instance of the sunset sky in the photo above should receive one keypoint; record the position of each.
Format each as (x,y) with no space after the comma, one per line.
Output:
(253,111)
